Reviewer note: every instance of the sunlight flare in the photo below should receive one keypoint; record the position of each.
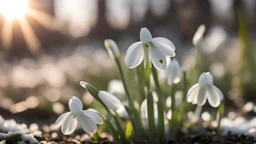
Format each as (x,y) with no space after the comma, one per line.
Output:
(19,10)
(13,9)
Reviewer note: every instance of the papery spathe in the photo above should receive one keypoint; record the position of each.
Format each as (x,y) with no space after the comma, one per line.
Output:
(112,48)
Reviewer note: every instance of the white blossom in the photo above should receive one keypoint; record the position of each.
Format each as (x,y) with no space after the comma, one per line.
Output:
(159,49)
(110,100)
(87,119)
(174,72)
(198,35)
(203,90)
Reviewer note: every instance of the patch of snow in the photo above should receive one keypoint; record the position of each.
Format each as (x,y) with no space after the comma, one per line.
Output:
(10,128)
(239,126)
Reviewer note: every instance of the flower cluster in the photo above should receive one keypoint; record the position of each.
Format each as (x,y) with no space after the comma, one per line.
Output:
(149,117)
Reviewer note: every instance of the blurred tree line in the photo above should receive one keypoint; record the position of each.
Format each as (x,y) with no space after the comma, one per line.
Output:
(182,18)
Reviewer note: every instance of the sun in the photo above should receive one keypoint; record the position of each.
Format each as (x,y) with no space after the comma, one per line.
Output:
(13,9)
(20,10)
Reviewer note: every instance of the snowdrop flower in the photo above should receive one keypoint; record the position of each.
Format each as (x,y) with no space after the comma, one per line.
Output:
(204,89)
(178,99)
(110,100)
(159,49)
(174,72)
(122,111)
(116,87)
(87,119)
(112,48)
(107,98)
(198,35)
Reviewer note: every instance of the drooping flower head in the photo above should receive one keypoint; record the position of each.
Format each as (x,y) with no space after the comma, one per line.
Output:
(112,48)
(111,101)
(174,72)
(198,35)
(87,119)
(203,90)
(159,49)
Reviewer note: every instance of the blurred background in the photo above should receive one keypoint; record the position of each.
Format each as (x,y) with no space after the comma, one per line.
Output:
(48,46)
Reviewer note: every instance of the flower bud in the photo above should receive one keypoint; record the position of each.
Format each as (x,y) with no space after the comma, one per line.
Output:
(112,48)
(174,72)
(198,35)
(91,89)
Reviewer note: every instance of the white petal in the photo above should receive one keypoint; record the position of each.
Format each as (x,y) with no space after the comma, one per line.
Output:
(193,93)
(75,104)
(165,45)
(205,78)
(213,97)
(122,112)
(112,48)
(168,102)
(62,119)
(158,58)
(145,35)
(201,98)
(192,89)
(110,100)
(69,125)
(174,72)
(143,109)
(87,123)
(169,114)
(134,55)
(116,87)
(94,115)
(219,92)
(198,35)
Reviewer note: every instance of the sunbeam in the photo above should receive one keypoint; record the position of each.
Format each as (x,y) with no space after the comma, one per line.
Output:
(30,37)
(41,17)
(18,10)
(13,9)
(7,34)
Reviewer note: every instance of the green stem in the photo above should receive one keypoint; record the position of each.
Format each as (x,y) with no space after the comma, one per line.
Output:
(96,136)
(183,102)
(160,106)
(113,131)
(147,65)
(173,108)
(121,131)
(124,83)
(197,112)
(185,87)
(151,118)
(141,81)
(219,116)
(131,104)
(118,124)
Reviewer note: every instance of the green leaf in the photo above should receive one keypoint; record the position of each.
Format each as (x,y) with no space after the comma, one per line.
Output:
(151,117)
(128,130)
